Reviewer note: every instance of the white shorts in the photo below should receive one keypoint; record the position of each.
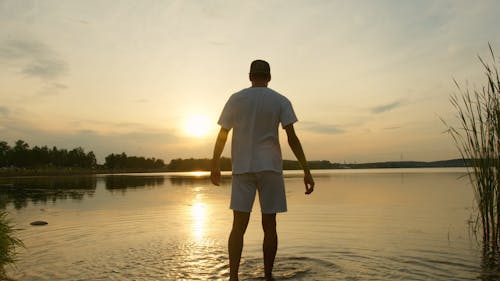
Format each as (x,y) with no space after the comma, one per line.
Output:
(270,185)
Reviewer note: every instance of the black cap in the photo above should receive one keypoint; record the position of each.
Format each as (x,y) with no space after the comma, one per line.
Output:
(260,67)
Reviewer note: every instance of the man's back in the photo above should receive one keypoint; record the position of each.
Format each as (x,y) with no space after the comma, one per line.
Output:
(254,114)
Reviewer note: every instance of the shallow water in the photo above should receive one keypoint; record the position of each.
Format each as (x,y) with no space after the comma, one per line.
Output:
(388,224)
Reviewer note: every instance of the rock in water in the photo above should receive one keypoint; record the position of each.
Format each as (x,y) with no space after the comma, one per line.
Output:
(39,223)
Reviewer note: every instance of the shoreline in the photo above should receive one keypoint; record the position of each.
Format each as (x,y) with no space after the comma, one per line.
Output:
(22,172)
(195,165)
(16,172)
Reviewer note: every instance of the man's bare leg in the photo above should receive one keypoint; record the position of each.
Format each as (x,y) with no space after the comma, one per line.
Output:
(270,245)
(235,243)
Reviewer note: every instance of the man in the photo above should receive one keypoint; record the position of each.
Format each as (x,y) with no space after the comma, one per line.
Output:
(254,114)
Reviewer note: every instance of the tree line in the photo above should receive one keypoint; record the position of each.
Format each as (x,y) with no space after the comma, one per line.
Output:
(202,164)
(122,161)
(21,155)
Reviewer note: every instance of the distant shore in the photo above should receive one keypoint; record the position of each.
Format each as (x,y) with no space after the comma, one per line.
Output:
(28,172)
(287,165)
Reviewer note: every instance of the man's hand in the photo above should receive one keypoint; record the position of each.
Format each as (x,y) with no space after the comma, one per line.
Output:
(215,176)
(308,183)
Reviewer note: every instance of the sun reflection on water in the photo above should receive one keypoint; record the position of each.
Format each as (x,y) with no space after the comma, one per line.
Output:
(199,173)
(199,215)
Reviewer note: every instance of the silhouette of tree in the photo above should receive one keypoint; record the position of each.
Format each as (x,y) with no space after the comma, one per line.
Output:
(122,161)
(90,160)
(22,156)
(192,164)
(4,153)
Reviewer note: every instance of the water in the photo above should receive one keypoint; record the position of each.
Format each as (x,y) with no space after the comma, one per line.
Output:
(393,224)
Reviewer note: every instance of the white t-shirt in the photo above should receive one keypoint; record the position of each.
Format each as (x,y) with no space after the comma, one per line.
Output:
(254,114)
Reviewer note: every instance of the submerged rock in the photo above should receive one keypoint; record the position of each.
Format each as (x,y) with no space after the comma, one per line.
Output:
(39,223)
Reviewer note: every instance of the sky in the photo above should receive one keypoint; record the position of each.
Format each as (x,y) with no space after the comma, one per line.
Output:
(369,80)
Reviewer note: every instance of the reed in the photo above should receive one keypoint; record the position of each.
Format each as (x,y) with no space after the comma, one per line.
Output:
(8,244)
(477,137)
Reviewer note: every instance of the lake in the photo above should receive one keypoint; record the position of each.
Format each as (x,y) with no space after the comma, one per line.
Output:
(380,224)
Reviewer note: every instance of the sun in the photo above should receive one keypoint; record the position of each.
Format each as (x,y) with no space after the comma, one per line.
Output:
(197,126)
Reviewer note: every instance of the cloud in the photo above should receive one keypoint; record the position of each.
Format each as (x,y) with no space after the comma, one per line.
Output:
(78,20)
(217,43)
(148,142)
(52,88)
(101,137)
(4,111)
(392,128)
(34,58)
(386,107)
(321,128)
(44,68)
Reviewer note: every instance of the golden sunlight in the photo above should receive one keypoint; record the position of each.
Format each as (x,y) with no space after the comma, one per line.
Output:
(197,126)
(198,174)
(199,219)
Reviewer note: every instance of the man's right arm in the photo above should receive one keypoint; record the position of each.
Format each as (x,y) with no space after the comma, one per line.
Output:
(296,147)
(219,147)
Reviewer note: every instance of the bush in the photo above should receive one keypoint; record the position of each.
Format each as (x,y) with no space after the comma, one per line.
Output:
(8,243)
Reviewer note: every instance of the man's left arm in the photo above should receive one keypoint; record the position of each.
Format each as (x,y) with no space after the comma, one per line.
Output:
(296,147)
(219,147)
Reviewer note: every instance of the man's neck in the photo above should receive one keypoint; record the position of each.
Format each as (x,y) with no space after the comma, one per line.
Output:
(259,84)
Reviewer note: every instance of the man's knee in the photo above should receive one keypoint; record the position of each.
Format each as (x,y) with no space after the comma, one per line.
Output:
(269,223)
(240,222)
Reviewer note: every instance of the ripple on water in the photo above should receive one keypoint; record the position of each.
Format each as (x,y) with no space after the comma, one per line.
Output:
(207,260)
(171,260)
(292,268)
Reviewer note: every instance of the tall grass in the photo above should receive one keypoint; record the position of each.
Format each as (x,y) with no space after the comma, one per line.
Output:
(8,243)
(477,137)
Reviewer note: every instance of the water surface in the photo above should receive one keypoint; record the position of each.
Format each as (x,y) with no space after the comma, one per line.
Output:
(384,224)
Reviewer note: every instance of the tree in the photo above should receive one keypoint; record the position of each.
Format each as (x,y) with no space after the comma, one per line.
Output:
(20,157)
(91,161)
(4,154)
(76,157)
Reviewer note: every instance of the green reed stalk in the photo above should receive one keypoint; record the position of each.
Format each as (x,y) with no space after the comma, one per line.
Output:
(8,243)
(478,140)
